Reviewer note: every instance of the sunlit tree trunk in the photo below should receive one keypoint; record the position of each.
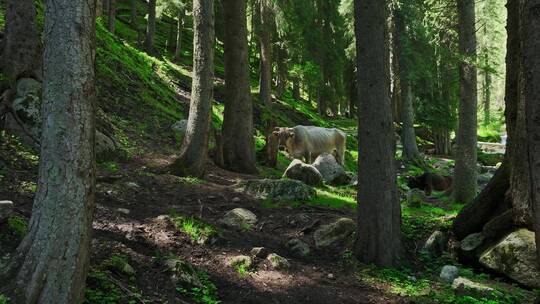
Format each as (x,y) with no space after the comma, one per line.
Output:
(265,91)
(238,140)
(151,27)
(465,174)
(179,29)
(194,151)
(378,239)
(51,263)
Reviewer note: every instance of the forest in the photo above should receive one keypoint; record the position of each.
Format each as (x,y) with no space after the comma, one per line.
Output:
(269,151)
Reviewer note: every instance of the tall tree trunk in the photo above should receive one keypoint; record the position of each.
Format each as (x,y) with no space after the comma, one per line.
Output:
(133,12)
(296,89)
(179,29)
(238,141)
(487,94)
(105,5)
(531,65)
(379,215)
(21,52)
(281,77)
(112,16)
(62,214)
(265,91)
(194,152)
(151,27)
(465,174)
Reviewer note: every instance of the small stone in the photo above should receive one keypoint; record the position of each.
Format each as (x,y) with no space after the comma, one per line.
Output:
(6,209)
(298,248)
(464,286)
(133,185)
(449,273)
(239,218)
(123,210)
(258,252)
(278,262)
(435,244)
(334,234)
(236,199)
(330,276)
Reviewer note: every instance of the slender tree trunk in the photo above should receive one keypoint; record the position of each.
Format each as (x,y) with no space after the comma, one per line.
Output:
(179,29)
(151,27)
(379,214)
(194,152)
(62,214)
(112,16)
(20,56)
(238,141)
(408,136)
(133,10)
(487,94)
(296,89)
(105,5)
(265,93)
(465,174)
(531,65)
(281,77)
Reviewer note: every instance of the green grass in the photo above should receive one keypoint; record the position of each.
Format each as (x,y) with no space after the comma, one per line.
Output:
(110,166)
(197,230)
(333,197)
(207,294)
(17,226)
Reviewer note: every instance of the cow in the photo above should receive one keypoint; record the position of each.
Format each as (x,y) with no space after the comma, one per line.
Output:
(309,142)
(431,181)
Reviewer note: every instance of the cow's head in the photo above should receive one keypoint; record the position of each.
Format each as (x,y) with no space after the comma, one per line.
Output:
(285,138)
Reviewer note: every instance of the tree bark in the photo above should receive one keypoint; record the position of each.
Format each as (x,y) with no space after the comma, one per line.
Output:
(62,213)
(296,89)
(151,27)
(238,141)
(112,16)
(194,151)
(179,29)
(281,77)
(265,90)
(487,93)
(379,213)
(465,173)
(531,65)
(133,11)
(21,49)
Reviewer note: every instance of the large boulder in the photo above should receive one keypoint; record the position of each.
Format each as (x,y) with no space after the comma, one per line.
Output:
(471,247)
(435,244)
(449,273)
(335,234)
(278,189)
(515,257)
(239,218)
(298,248)
(305,173)
(331,171)
(6,209)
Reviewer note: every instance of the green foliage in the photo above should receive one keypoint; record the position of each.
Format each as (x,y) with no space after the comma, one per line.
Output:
(4,299)
(205,294)
(418,223)
(197,230)
(110,166)
(242,267)
(18,226)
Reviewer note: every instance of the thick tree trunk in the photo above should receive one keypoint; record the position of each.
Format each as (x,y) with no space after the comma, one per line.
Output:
(465,174)
(112,16)
(62,214)
(133,12)
(151,27)
(379,214)
(21,52)
(194,152)
(238,141)
(265,90)
(179,29)
(531,65)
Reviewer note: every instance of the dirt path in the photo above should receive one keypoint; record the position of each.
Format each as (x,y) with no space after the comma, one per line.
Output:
(144,234)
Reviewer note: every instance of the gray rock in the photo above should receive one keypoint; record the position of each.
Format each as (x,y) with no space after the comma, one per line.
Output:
(105,146)
(6,210)
(298,248)
(239,218)
(449,273)
(278,262)
(470,246)
(183,273)
(258,252)
(236,200)
(464,286)
(331,171)
(278,189)
(123,210)
(305,173)
(515,257)
(334,234)
(415,198)
(354,180)
(436,244)
(240,260)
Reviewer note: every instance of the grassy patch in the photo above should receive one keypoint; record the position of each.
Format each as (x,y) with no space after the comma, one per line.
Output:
(205,294)
(335,197)
(4,299)
(110,167)
(17,226)
(418,223)
(197,230)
